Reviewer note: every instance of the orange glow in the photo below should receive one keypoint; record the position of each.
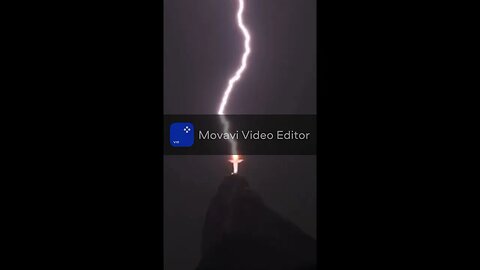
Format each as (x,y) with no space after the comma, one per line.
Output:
(235,160)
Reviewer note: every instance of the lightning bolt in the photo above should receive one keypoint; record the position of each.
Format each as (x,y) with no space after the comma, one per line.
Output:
(231,82)
(243,66)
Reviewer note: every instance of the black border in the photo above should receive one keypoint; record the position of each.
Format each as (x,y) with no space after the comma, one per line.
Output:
(97,72)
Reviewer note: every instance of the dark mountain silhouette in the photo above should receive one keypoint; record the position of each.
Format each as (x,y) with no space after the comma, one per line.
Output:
(241,233)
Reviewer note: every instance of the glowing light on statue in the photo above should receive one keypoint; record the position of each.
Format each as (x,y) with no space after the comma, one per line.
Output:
(231,82)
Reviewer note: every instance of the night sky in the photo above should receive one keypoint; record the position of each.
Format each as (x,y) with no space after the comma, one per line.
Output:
(202,50)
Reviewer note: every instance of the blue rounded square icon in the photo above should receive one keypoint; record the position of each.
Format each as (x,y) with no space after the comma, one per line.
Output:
(181,134)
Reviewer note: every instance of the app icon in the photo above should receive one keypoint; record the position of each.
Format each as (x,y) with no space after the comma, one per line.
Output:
(181,134)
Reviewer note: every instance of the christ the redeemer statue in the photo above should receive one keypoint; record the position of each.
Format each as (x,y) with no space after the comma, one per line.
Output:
(235,160)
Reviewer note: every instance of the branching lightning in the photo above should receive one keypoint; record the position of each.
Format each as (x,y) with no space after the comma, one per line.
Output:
(238,74)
